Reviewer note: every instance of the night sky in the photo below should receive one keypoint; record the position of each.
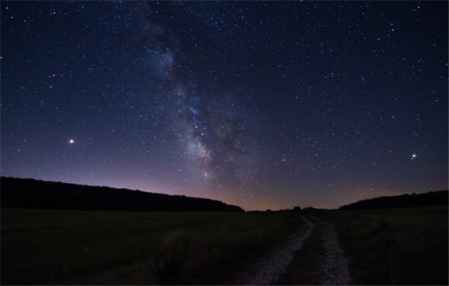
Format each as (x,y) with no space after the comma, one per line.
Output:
(264,105)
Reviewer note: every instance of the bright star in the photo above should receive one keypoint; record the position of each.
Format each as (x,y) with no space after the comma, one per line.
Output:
(413,156)
(71,141)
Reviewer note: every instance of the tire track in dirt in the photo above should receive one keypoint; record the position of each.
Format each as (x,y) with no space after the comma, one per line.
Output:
(334,265)
(270,267)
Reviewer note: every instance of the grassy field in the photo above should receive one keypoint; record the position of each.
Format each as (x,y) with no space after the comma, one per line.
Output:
(396,246)
(42,246)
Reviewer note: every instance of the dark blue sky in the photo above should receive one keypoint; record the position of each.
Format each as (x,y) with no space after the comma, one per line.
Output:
(265,105)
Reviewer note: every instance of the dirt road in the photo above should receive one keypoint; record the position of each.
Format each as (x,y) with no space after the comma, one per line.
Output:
(331,266)
(334,265)
(270,267)
(325,264)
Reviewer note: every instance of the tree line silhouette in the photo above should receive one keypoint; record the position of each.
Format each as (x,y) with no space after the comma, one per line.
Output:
(37,194)
(435,198)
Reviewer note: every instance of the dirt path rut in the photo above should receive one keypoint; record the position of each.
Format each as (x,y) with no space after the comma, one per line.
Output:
(327,263)
(270,267)
(334,265)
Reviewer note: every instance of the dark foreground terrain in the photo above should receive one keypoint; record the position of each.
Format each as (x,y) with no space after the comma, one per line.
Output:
(396,246)
(67,246)
(396,240)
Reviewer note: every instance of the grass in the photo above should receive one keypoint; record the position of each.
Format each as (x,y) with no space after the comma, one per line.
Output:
(59,246)
(396,246)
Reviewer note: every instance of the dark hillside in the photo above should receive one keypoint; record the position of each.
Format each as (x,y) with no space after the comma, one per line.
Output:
(35,194)
(435,198)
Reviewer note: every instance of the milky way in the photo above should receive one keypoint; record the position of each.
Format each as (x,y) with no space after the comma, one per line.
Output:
(210,127)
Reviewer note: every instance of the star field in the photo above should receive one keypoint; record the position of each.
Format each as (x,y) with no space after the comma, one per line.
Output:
(265,105)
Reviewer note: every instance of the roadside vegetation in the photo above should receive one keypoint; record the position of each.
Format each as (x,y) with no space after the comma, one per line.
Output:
(396,246)
(68,246)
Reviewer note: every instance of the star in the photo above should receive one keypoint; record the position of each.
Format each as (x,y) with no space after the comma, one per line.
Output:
(413,156)
(71,141)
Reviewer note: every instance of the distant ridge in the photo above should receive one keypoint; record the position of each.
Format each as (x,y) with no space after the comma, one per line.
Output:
(31,193)
(434,198)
